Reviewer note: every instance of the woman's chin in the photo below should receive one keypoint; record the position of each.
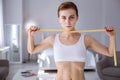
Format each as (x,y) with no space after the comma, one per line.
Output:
(68,29)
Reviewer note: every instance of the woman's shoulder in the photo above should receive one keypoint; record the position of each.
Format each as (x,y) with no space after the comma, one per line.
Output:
(88,40)
(52,37)
(87,36)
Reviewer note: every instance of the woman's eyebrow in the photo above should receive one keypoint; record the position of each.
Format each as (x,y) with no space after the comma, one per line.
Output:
(72,15)
(69,16)
(63,16)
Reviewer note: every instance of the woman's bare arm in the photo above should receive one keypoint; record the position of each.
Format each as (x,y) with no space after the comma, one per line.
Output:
(32,48)
(100,48)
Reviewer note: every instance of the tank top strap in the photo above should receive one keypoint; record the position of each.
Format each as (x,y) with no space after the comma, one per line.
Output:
(83,39)
(82,36)
(57,38)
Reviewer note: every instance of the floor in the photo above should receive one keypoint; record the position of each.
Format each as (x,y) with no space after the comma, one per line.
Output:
(89,75)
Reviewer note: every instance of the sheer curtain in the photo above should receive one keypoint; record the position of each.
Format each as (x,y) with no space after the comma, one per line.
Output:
(1,26)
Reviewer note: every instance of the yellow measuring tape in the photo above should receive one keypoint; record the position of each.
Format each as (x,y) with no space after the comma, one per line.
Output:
(60,30)
(96,30)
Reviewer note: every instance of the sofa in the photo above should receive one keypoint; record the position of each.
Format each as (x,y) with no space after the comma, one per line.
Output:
(4,69)
(106,69)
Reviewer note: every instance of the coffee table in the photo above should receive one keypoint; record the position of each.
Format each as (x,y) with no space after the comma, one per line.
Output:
(40,75)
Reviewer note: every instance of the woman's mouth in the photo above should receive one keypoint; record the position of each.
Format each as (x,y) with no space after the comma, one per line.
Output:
(68,26)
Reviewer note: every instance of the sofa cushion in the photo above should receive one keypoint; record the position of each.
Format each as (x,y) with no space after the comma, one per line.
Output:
(118,58)
(3,72)
(112,71)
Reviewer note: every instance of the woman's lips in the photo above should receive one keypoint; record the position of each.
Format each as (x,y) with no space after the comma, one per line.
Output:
(68,26)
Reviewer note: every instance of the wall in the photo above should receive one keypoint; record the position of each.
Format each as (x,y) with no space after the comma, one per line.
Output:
(1,25)
(12,11)
(111,16)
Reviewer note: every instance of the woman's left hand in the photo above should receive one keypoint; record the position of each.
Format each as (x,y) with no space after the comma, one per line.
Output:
(110,31)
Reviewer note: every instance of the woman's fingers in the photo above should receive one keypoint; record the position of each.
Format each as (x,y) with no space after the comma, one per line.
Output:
(110,30)
(34,28)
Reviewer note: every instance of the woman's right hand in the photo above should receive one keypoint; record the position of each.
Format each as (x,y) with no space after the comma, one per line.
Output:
(33,30)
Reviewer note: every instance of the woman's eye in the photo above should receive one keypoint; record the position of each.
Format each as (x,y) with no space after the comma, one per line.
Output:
(63,18)
(71,17)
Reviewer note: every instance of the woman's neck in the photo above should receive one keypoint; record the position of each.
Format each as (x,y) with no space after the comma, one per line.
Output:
(68,34)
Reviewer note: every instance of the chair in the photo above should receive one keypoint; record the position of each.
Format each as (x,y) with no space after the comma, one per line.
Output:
(4,69)
(106,69)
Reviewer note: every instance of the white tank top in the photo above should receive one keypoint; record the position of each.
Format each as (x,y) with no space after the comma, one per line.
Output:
(75,53)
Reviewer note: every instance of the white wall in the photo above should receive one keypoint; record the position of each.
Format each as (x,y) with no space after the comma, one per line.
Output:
(1,25)
(112,17)
(12,11)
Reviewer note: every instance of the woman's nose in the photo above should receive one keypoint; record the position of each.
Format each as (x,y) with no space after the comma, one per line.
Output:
(67,21)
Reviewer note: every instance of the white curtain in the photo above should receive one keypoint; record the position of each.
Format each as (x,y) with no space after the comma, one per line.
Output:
(1,26)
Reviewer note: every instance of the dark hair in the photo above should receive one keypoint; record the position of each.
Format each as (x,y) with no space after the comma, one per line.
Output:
(67,5)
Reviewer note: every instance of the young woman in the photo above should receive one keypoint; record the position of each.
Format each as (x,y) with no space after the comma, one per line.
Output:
(70,48)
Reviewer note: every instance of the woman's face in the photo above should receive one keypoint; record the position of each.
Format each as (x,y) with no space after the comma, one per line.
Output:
(68,19)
